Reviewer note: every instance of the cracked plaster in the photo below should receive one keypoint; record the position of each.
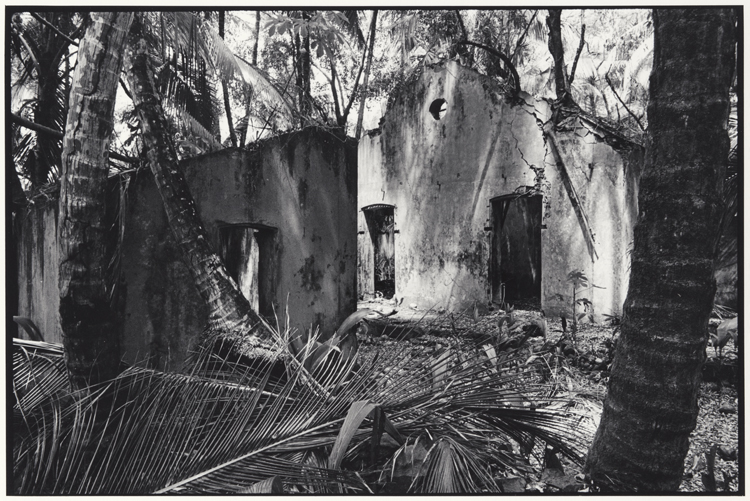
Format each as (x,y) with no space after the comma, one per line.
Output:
(441,175)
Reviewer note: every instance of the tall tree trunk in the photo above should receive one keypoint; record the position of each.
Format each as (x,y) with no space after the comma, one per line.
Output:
(558,54)
(651,404)
(302,49)
(92,351)
(257,38)
(360,116)
(249,97)
(230,315)
(225,90)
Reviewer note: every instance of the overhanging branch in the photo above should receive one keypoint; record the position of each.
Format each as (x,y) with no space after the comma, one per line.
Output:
(504,59)
(606,77)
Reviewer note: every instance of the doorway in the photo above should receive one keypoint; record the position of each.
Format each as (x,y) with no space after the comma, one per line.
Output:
(249,256)
(516,261)
(381,226)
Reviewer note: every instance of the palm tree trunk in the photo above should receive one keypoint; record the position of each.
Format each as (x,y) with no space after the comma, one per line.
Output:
(91,341)
(257,38)
(302,49)
(230,315)
(651,406)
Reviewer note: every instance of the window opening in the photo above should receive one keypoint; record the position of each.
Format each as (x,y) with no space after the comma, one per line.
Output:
(248,255)
(438,108)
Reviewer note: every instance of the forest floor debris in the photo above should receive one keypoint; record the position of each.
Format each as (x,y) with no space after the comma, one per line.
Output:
(586,375)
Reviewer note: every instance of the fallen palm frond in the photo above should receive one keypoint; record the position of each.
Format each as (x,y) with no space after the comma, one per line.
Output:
(225,425)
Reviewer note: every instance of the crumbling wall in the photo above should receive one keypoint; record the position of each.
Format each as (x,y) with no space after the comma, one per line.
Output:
(300,186)
(597,240)
(440,172)
(727,271)
(38,263)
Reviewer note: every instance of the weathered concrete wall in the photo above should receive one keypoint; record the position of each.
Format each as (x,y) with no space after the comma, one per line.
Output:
(606,183)
(440,174)
(302,184)
(727,271)
(38,255)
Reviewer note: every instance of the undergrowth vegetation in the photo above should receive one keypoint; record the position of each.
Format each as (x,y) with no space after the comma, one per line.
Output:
(325,417)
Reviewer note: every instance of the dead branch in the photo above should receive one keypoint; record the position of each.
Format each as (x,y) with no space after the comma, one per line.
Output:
(503,58)
(578,54)
(606,77)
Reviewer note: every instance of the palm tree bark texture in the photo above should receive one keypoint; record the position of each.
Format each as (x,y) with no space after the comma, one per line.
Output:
(230,314)
(90,336)
(651,405)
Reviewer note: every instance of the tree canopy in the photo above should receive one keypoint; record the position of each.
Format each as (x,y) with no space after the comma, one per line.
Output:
(284,69)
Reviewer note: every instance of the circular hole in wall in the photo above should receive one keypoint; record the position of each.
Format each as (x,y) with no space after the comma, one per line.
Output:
(438,108)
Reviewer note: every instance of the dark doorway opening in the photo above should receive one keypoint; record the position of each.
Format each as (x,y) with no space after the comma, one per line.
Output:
(250,257)
(380,223)
(516,262)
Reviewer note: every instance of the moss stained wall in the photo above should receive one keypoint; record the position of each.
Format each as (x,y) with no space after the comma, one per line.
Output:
(606,182)
(441,175)
(303,183)
(38,262)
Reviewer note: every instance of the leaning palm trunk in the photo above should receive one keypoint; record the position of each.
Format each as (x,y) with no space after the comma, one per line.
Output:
(88,324)
(651,406)
(230,315)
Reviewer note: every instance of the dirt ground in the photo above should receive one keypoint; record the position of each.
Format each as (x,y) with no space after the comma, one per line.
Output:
(586,375)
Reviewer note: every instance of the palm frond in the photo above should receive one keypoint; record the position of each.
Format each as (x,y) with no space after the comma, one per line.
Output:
(638,67)
(38,372)
(195,102)
(271,485)
(192,35)
(23,153)
(451,468)
(266,90)
(352,26)
(227,424)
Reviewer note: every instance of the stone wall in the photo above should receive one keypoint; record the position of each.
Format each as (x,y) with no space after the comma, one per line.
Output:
(298,190)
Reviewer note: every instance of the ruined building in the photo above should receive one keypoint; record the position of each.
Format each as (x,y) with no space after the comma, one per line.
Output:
(467,198)
(463,197)
(281,214)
